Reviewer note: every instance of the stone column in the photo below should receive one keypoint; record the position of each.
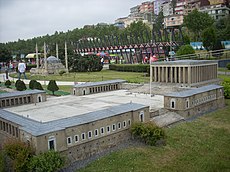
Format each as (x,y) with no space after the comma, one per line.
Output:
(175,74)
(37,60)
(57,51)
(155,74)
(159,74)
(171,74)
(179,74)
(66,59)
(163,74)
(183,74)
(196,74)
(189,75)
(151,73)
(166,74)
(45,60)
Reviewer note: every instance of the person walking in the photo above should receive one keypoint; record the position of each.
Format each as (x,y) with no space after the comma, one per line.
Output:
(21,69)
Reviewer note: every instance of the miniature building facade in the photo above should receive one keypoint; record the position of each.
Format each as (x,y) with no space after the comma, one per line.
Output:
(195,101)
(22,97)
(97,87)
(185,72)
(77,137)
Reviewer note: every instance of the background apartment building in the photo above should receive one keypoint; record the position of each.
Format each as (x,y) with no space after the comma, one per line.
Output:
(174,17)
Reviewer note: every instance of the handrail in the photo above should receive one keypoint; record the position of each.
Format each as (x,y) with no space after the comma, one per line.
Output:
(206,55)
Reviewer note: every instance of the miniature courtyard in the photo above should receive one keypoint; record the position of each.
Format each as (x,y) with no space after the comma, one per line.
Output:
(68,106)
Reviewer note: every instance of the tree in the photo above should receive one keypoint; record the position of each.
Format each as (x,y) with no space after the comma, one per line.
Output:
(35,85)
(31,84)
(5,55)
(38,86)
(209,38)
(7,83)
(20,153)
(50,161)
(159,21)
(20,85)
(223,28)
(87,63)
(197,21)
(185,49)
(52,86)
(217,49)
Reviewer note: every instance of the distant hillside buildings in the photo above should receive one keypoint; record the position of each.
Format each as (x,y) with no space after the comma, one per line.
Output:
(174,14)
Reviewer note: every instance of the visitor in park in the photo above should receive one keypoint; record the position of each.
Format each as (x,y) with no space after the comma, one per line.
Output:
(21,69)
(102,61)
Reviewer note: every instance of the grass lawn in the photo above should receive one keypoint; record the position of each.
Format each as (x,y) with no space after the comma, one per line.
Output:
(223,69)
(201,145)
(93,76)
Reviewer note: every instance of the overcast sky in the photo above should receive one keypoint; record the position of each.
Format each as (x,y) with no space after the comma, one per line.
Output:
(24,19)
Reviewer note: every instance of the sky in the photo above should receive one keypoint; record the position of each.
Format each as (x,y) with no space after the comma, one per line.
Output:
(25,19)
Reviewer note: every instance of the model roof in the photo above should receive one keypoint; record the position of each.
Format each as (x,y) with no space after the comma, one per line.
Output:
(194,91)
(38,128)
(185,62)
(20,93)
(90,84)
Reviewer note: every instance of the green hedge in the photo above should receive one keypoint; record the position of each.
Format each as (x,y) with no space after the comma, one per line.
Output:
(130,67)
(29,66)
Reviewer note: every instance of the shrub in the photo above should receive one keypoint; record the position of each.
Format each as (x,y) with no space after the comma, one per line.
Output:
(16,83)
(130,67)
(38,86)
(52,86)
(228,66)
(19,153)
(226,85)
(7,83)
(148,132)
(30,66)
(20,85)
(61,72)
(31,84)
(49,161)
(185,49)
(2,161)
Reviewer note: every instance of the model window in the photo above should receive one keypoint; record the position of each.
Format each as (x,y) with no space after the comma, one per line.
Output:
(102,130)
(124,124)
(83,136)
(141,116)
(108,129)
(90,134)
(51,143)
(173,103)
(114,127)
(119,125)
(69,140)
(76,137)
(129,121)
(96,132)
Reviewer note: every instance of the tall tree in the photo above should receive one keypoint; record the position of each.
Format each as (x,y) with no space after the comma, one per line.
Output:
(209,38)
(197,21)
(5,54)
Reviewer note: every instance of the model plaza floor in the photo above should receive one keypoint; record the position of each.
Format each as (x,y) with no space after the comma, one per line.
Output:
(67,106)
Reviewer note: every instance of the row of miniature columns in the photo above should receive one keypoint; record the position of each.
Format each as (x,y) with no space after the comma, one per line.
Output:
(183,74)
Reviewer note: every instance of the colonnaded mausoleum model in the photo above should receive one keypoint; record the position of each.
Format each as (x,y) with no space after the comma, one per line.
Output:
(189,73)
(87,124)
